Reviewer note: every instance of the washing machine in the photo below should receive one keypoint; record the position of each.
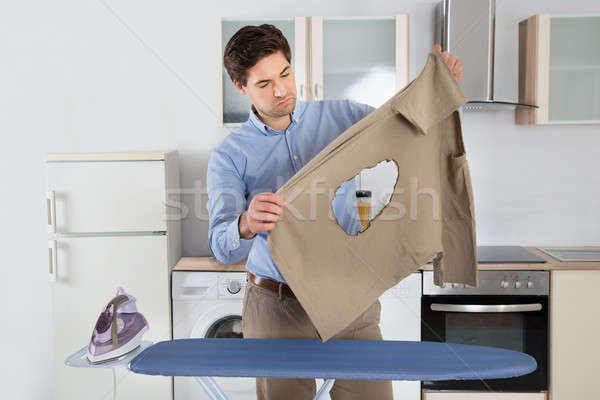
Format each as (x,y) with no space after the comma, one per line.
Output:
(209,305)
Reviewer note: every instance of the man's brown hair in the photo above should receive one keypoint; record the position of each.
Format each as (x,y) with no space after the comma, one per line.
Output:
(249,45)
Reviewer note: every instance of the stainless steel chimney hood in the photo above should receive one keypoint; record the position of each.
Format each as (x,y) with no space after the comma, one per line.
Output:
(466,28)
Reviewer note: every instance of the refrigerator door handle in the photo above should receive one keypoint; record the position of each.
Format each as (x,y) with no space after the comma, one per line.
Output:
(51,210)
(52,260)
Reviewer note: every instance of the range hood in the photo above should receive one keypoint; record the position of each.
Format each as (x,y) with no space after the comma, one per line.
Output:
(466,28)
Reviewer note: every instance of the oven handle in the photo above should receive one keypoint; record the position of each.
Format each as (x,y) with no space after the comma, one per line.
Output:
(495,308)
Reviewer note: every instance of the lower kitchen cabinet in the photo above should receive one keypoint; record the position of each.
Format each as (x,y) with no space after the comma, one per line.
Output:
(483,396)
(574,340)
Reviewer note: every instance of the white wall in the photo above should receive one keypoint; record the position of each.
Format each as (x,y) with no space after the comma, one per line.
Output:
(106,75)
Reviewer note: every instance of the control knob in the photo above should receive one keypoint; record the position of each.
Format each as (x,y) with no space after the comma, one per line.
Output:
(234,287)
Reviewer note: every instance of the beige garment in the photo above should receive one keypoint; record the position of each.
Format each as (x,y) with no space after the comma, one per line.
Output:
(267,315)
(337,276)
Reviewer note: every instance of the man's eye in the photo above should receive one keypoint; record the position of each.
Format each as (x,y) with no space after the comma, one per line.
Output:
(283,76)
(263,86)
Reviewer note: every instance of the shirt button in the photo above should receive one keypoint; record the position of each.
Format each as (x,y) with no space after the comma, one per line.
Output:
(235,243)
(295,157)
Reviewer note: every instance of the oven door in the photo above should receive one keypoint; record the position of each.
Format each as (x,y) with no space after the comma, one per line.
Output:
(511,322)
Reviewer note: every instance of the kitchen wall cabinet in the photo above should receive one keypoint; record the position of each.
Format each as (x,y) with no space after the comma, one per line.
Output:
(574,327)
(363,59)
(559,69)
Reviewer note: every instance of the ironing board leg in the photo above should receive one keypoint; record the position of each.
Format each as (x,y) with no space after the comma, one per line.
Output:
(211,388)
(325,388)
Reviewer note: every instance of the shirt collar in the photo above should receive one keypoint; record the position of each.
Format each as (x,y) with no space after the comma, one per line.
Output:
(267,130)
(430,97)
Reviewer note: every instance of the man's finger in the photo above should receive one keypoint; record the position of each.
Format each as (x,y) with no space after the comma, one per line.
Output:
(263,216)
(458,70)
(451,63)
(265,226)
(271,197)
(268,207)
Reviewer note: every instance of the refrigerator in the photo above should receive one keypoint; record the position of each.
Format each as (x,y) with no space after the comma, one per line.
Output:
(113,221)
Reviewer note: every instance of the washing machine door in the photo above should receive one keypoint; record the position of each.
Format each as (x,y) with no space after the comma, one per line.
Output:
(226,327)
(224,320)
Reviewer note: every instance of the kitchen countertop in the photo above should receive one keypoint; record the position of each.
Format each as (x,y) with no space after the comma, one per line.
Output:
(210,264)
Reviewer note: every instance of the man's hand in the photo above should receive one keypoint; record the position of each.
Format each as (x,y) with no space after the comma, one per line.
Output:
(454,63)
(262,214)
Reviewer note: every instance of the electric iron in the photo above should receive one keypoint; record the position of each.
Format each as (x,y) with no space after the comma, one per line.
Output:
(119,329)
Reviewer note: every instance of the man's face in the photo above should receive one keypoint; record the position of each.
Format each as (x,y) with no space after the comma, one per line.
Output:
(271,86)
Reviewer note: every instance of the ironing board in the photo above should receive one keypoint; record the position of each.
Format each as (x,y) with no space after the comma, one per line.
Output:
(334,359)
(79,360)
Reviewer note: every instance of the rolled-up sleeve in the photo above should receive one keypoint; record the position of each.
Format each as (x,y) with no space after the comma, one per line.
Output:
(226,202)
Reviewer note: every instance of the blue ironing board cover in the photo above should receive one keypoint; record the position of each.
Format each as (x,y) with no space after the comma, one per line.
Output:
(337,359)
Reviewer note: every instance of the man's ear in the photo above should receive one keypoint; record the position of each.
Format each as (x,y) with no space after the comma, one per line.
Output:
(239,87)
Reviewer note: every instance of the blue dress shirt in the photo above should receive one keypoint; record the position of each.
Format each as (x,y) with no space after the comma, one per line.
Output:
(256,159)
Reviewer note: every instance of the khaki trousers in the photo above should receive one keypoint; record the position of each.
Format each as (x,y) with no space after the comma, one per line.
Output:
(267,315)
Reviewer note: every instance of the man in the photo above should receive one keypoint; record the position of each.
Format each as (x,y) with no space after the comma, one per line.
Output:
(280,136)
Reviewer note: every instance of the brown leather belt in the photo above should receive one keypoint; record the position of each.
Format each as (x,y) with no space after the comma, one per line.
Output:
(269,284)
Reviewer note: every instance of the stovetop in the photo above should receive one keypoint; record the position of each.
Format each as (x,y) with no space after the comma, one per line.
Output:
(506,255)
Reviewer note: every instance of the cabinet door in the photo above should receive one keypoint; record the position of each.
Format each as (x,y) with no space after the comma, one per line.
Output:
(574,327)
(109,196)
(88,271)
(559,69)
(362,59)
(401,320)
(401,310)
(299,58)
(236,106)
(574,92)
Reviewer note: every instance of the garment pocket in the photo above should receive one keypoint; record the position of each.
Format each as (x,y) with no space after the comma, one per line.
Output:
(460,183)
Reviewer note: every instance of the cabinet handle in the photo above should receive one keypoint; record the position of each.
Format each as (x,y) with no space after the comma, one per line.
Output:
(302,91)
(52,260)
(316,91)
(51,210)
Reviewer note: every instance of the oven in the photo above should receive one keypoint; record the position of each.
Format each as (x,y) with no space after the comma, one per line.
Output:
(508,309)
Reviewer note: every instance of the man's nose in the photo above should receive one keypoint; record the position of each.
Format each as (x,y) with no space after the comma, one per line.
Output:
(279,89)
